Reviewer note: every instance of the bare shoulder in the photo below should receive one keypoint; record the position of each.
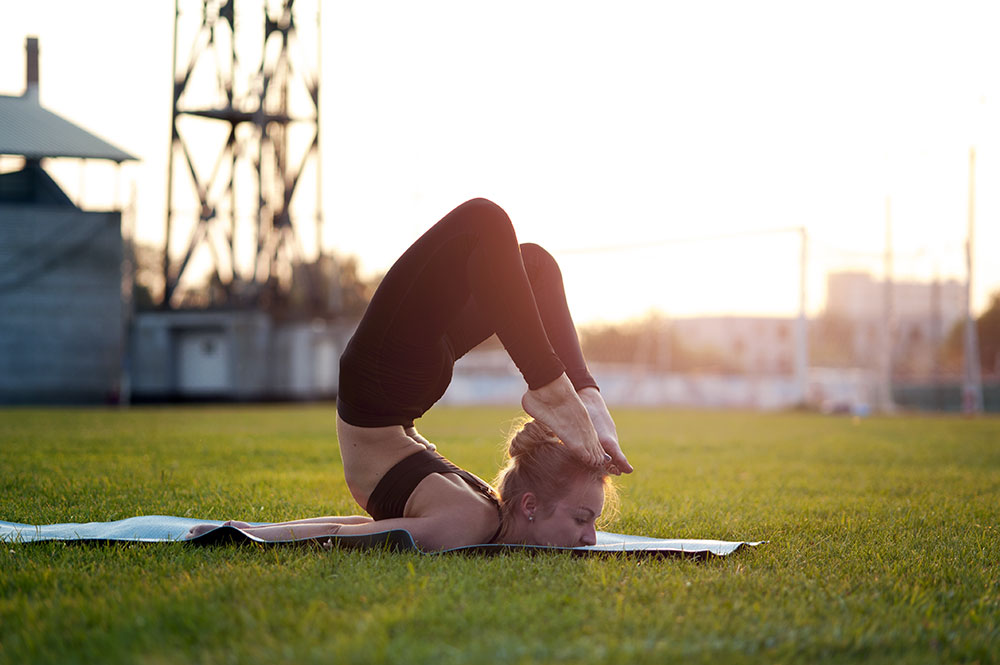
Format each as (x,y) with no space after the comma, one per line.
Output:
(462,514)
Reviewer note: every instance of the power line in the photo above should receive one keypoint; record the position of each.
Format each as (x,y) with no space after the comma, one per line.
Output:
(680,240)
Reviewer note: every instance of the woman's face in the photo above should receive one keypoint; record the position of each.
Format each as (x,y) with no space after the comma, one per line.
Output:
(570,521)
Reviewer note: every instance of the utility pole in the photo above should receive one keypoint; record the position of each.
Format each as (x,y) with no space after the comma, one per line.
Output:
(802,327)
(884,397)
(936,336)
(972,384)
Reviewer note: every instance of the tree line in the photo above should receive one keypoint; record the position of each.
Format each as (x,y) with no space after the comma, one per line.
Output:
(333,286)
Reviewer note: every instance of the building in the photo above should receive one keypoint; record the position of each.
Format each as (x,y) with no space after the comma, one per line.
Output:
(756,345)
(61,314)
(858,296)
(233,355)
(920,315)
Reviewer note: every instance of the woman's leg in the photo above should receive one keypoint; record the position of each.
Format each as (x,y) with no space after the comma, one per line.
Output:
(470,329)
(398,362)
(471,253)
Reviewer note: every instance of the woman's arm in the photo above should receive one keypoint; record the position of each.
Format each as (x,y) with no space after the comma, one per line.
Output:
(430,533)
(332,519)
(280,530)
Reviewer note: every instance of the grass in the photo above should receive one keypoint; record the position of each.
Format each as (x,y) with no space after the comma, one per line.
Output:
(883,546)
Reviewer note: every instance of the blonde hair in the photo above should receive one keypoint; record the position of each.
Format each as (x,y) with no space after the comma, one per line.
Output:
(538,462)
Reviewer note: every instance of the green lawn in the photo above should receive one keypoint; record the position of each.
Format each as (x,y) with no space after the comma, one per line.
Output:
(883,546)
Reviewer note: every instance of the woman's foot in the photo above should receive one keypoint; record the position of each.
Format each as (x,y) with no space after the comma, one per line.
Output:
(557,406)
(607,433)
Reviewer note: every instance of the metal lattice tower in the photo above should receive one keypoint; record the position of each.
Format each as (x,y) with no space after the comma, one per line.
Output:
(244,132)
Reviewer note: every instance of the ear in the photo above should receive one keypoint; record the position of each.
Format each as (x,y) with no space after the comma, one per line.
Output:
(528,504)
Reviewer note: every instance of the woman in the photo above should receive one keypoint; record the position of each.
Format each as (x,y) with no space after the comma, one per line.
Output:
(462,281)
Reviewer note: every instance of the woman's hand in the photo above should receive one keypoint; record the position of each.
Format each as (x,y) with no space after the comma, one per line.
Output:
(558,407)
(607,433)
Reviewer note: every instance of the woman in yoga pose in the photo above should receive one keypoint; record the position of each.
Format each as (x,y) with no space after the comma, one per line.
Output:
(465,279)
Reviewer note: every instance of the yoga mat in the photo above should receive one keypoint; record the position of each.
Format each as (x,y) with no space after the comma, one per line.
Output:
(166,528)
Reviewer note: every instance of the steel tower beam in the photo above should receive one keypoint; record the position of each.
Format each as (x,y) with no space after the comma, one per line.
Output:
(236,201)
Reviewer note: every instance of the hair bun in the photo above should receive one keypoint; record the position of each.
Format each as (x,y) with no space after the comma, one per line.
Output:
(531,435)
(539,463)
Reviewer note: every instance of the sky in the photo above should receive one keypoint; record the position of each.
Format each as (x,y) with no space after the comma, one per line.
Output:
(665,152)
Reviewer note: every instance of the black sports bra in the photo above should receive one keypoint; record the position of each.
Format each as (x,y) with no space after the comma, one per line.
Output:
(388,499)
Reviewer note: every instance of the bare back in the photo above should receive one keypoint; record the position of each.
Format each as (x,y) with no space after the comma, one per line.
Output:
(369,452)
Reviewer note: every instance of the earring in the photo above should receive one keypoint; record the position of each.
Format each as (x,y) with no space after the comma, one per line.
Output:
(531,518)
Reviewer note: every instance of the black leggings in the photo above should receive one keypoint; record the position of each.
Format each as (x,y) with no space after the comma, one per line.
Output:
(465,279)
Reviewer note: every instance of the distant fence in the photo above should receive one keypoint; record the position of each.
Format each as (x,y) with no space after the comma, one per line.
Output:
(942,397)
(623,388)
(489,378)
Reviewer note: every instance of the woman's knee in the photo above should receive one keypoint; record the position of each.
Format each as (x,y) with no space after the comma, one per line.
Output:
(539,264)
(483,206)
(490,218)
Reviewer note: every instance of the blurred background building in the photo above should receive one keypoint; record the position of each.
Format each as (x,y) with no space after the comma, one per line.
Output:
(62,328)
(922,316)
(268,321)
(234,307)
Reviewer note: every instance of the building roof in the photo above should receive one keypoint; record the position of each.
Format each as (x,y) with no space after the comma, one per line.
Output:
(29,130)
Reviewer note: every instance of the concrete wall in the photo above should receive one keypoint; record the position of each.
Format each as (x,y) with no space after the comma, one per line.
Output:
(306,359)
(61,327)
(199,355)
(233,355)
